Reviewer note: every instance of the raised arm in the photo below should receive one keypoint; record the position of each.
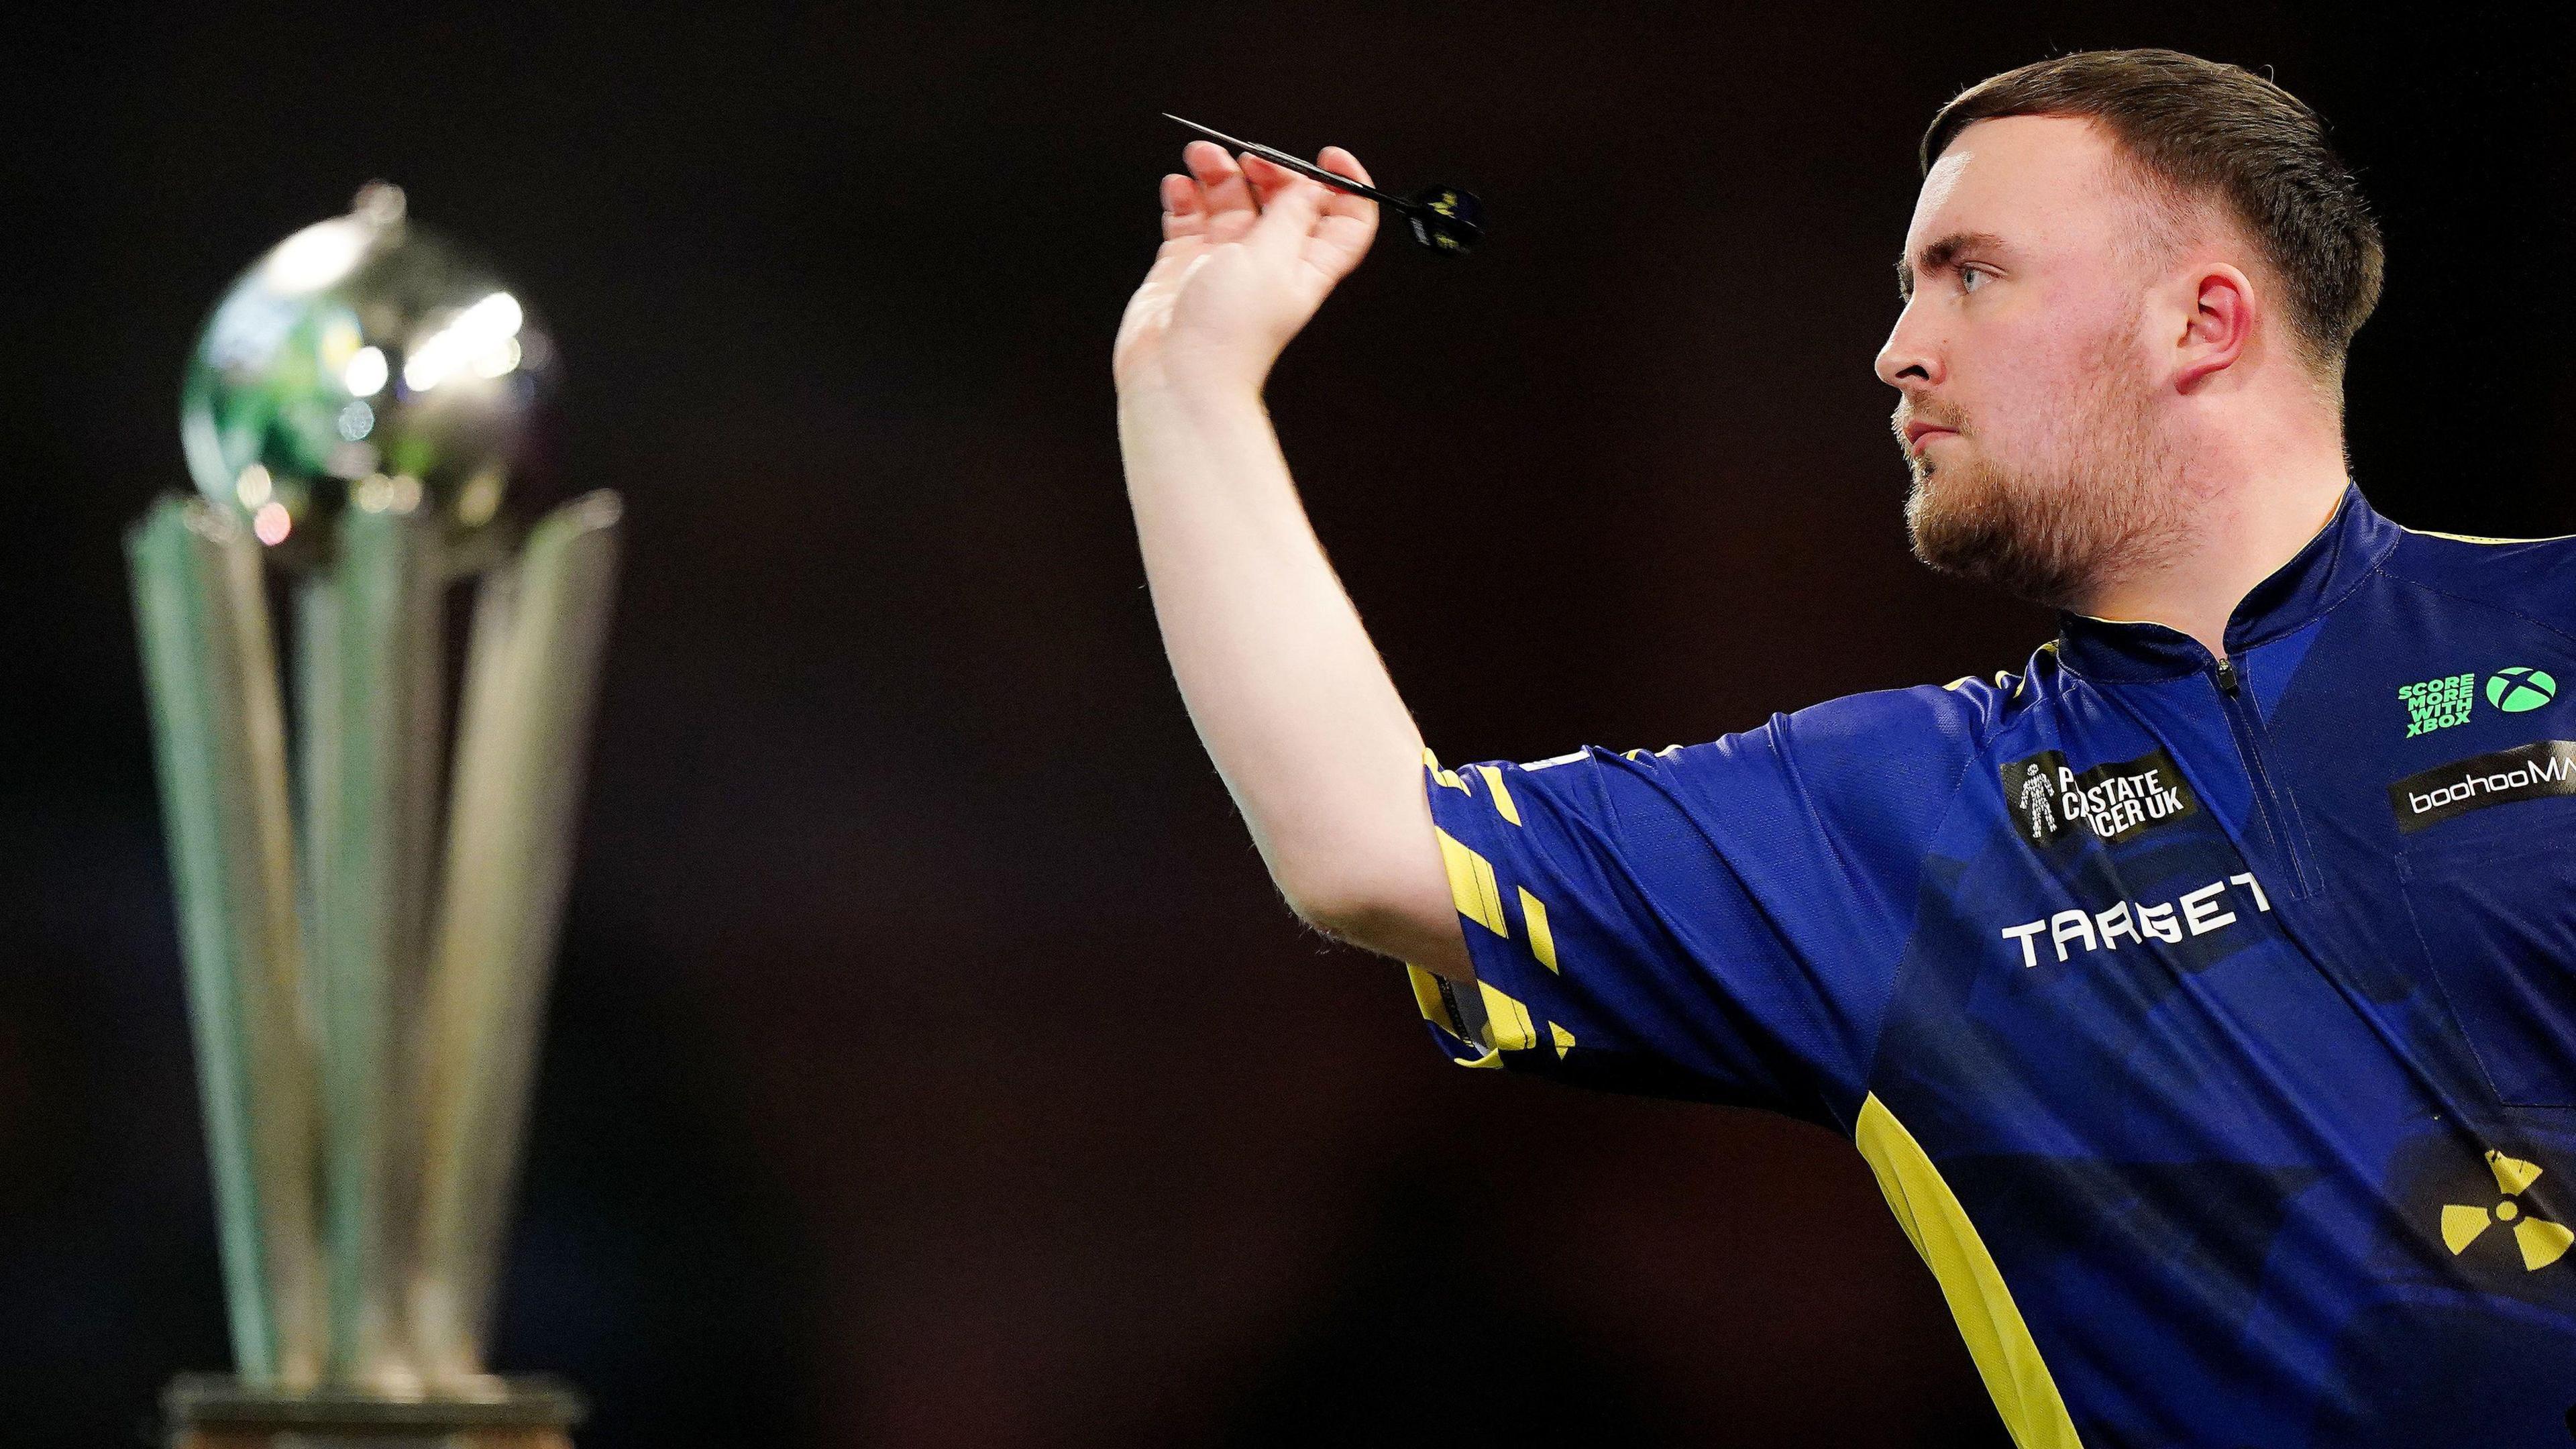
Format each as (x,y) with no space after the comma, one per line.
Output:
(1287,693)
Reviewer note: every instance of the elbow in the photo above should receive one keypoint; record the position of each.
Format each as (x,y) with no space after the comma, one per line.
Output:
(1385,891)
(1336,905)
(1371,909)
(1339,898)
(1377,916)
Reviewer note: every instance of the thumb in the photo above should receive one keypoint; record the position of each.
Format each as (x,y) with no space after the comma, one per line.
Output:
(1290,207)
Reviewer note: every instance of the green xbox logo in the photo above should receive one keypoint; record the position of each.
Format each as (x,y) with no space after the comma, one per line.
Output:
(2520,688)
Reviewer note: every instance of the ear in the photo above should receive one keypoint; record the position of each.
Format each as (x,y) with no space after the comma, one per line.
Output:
(2218,326)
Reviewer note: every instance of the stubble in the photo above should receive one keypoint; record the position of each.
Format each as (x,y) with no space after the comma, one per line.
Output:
(2093,499)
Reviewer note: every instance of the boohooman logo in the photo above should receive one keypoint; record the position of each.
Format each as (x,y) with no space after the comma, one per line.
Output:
(2526,772)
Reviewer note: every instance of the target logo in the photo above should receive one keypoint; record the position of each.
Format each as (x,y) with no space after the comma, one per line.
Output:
(2520,688)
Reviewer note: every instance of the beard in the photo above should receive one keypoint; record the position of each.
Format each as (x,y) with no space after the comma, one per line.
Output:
(2093,499)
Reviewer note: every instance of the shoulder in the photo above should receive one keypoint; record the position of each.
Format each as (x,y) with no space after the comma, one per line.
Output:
(1953,721)
(1887,761)
(2517,573)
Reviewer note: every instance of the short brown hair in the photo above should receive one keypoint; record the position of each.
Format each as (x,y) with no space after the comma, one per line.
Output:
(2197,128)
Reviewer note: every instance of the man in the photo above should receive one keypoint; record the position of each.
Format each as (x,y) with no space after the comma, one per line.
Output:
(2204,997)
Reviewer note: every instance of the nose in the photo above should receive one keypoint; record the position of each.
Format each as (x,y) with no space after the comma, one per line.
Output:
(1910,356)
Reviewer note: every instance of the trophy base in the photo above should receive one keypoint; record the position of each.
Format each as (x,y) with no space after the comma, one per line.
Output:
(218,1411)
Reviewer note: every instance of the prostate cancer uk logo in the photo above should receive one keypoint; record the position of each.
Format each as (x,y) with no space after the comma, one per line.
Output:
(2052,802)
(2446,792)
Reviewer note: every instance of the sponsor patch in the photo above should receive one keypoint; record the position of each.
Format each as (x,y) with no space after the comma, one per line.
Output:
(2438,704)
(2521,688)
(2051,802)
(2527,772)
(2199,912)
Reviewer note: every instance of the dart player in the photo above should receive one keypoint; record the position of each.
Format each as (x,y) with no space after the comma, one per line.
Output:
(2203,996)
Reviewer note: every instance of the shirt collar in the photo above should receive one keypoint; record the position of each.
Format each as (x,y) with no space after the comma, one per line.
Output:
(2351,545)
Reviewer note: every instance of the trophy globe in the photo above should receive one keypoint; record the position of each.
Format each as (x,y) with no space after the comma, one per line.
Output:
(367,361)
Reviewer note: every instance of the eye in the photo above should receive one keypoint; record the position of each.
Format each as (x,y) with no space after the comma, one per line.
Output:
(1970,277)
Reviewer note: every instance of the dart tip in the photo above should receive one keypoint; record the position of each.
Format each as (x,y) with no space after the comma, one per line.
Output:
(1209,132)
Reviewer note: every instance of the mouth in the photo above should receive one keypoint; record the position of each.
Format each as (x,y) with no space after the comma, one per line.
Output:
(1919,435)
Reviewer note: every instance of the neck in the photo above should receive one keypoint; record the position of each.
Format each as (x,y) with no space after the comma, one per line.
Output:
(2248,505)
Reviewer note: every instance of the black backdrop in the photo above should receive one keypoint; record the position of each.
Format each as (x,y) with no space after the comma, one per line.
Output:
(930,1063)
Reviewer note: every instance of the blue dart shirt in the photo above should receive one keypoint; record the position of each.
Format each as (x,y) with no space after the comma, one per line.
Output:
(2210,1025)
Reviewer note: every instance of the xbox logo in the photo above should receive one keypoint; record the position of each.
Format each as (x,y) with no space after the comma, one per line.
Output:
(2520,688)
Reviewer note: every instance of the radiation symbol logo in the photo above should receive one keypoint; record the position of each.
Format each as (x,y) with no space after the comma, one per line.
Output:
(2542,1242)
(2520,688)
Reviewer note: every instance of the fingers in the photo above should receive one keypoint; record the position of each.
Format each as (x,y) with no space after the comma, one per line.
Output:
(1268,178)
(1184,208)
(1349,223)
(1231,209)
(1343,203)
(1273,209)
(1342,163)
(1289,205)
(1327,229)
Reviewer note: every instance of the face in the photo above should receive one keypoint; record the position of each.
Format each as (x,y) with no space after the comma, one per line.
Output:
(2029,415)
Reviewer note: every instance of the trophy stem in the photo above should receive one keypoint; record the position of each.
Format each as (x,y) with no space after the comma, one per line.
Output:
(210,665)
(530,679)
(371,685)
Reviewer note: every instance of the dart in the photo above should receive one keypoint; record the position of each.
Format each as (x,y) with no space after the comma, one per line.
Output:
(1445,219)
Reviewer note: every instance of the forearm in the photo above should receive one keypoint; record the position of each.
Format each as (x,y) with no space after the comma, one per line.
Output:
(1288,695)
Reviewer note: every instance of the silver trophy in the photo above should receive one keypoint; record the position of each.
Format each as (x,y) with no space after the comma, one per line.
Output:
(368,914)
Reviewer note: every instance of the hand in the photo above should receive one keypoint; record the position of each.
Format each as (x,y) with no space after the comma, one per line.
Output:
(1249,252)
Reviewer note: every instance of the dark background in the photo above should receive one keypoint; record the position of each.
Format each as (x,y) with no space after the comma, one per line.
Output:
(931,1063)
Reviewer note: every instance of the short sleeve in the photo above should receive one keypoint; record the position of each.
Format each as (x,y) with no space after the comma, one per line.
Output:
(1720,922)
